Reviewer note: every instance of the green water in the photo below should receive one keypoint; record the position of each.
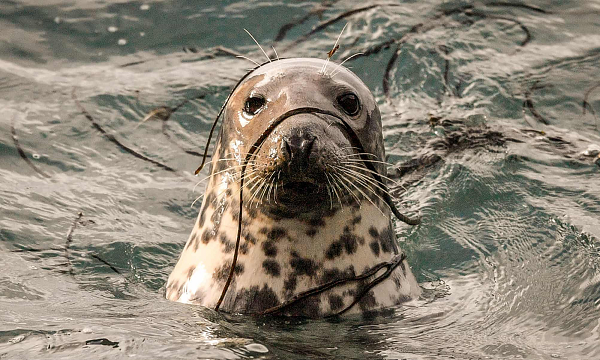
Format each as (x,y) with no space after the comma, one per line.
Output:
(508,247)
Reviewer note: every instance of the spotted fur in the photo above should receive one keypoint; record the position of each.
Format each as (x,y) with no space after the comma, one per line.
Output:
(283,254)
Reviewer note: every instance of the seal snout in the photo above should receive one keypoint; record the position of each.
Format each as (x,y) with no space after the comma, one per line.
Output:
(296,159)
(296,150)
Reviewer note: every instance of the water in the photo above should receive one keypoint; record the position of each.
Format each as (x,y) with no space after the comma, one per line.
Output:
(508,247)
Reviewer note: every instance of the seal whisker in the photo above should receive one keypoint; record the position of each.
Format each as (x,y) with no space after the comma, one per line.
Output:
(246,176)
(221,193)
(292,158)
(255,188)
(365,195)
(367,178)
(335,188)
(276,186)
(196,199)
(356,149)
(361,178)
(247,58)
(213,174)
(329,191)
(371,161)
(334,72)
(375,173)
(275,51)
(272,179)
(343,183)
(330,54)
(216,173)
(265,189)
(361,181)
(260,47)
(256,195)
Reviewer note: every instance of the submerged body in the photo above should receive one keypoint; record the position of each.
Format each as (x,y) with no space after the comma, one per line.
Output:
(304,143)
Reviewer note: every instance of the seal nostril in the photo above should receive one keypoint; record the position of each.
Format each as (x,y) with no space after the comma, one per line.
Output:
(306,147)
(286,149)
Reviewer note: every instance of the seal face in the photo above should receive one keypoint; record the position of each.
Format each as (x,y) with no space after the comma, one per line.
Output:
(316,238)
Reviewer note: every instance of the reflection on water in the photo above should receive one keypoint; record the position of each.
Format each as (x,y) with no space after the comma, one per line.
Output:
(490,114)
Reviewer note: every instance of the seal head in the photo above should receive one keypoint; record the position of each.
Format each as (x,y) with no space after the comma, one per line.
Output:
(304,149)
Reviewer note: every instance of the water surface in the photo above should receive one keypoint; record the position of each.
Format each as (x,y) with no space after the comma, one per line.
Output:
(506,96)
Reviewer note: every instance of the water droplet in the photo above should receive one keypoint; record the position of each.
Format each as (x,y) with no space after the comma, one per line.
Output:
(555,356)
(257,348)
(145,7)
(112,29)
(35,156)
(142,33)
(57,20)
(122,42)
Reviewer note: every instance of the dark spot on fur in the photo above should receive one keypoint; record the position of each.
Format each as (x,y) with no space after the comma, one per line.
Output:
(271,267)
(228,245)
(210,198)
(222,273)
(308,308)
(235,210)
(244,248)
(375,247)
(368,301)
(350,242)
(196,240)
(202,217)
(311,232)
(303,266)
(174,287)
(397,281)
(330,275)
(251,211)
(269,249)
(387,239)
(207,236)
(289,285)
(191,271)
(374,233)
(316,222)
(248,236)
(347,241)
(277,233)
(356,220)
(334,274)
(334,250)
(336,302)
(255,300)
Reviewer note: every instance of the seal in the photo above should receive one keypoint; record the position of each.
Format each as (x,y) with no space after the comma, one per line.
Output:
(296,219)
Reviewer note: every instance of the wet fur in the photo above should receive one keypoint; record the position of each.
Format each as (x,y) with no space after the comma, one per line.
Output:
(280,253)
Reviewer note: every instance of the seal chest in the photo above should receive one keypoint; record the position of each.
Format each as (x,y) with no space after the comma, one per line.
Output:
(304,149)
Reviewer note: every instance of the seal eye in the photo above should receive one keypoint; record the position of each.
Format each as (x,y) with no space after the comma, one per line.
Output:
(253,104)
(349,103)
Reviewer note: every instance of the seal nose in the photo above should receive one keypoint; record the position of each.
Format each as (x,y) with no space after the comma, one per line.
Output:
(297,149)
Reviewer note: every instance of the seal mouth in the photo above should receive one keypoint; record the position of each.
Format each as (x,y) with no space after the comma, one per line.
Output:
(301,195)
(301,187)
